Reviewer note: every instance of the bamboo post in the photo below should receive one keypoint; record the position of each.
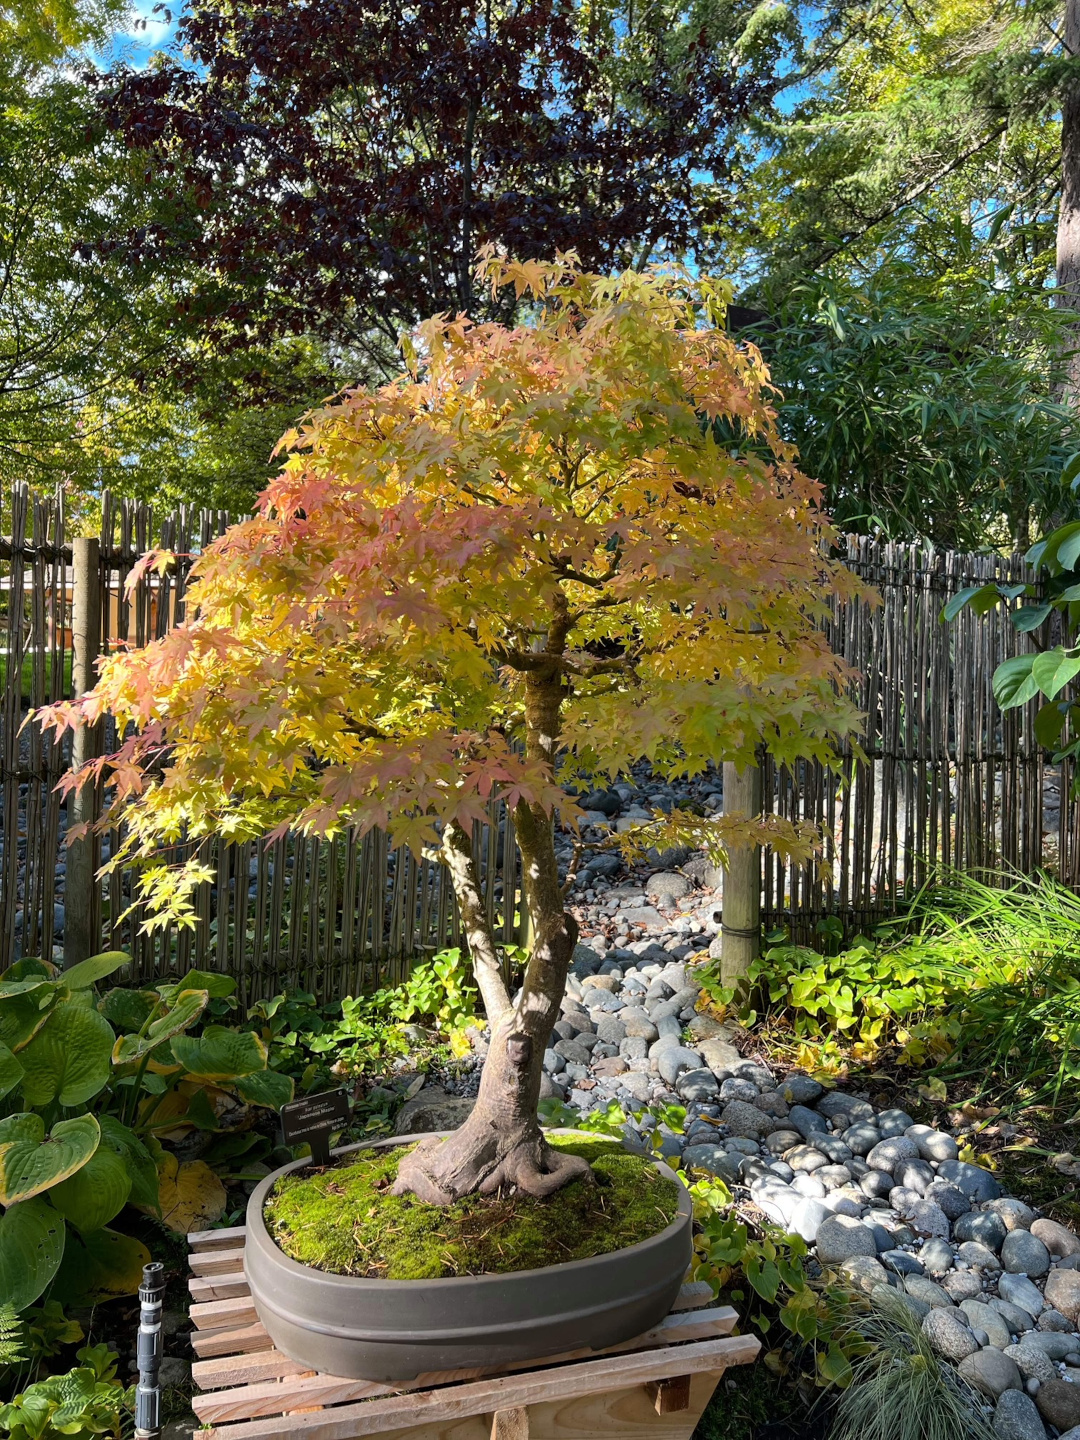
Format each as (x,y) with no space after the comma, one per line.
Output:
(80,941)
(740,929)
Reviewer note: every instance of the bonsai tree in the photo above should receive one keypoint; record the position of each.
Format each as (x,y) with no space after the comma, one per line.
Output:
(539,554)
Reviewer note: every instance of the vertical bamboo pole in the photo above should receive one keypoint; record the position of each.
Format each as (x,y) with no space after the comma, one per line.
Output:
(741,924)
(80,940)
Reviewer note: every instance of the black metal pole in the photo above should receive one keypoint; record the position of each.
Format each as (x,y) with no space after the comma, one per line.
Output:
(148,1353)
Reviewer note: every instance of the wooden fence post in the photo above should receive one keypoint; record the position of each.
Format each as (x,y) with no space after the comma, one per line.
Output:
(741,908)
(80,937)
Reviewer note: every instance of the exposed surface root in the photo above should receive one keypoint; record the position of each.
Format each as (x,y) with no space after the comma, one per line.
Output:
(441,1171)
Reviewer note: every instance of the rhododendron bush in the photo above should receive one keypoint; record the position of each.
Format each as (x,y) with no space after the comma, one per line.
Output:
(540,553)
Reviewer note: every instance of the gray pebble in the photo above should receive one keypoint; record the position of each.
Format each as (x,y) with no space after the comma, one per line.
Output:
(1024,1254)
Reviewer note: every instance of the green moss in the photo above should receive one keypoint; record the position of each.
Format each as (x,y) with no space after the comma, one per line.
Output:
(345,1221)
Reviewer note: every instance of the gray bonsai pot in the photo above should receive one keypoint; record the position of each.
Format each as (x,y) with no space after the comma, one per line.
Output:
(397,1329)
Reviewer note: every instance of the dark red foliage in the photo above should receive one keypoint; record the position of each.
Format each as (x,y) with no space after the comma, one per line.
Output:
(340,162)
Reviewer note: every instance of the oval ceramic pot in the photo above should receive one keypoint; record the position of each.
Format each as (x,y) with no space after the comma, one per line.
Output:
(398,1329)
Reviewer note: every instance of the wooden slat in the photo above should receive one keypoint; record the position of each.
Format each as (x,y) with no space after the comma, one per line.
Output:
(693,1295)
(251,1399)
(216,1262)
(225,1239)
(222,1314)
(429,1407)
(218,1287)
(230,1341)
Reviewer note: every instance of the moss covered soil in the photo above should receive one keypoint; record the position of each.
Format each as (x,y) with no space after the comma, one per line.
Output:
(344,1220)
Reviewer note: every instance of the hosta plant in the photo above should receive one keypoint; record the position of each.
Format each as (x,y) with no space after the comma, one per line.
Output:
(538,553)
(90,1087)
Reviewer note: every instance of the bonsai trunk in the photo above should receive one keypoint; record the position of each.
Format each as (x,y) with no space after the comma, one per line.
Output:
(501,1143)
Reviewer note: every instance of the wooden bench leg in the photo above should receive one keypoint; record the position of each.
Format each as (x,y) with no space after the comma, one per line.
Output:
(511,1424)
(670,1396)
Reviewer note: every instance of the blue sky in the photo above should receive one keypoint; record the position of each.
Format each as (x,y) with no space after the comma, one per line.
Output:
(146,33)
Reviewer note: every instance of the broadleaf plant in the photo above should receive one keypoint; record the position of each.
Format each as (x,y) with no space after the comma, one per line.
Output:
(66,1177)
(539,553)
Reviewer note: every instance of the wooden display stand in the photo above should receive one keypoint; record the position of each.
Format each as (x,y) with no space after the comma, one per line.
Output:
(651,1388)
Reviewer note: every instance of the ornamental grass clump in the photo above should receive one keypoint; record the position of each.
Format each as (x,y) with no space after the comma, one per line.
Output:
(901,1390)
(540,553)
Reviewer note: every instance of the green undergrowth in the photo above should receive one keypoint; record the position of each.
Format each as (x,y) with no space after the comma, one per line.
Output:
(345,1221)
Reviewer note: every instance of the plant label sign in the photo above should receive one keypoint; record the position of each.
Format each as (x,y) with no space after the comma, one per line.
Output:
(312,1120)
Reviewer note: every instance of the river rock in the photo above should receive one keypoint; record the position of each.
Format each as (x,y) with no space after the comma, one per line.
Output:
(720,1056)
(993,1374)
(832,1146)
(919,1288)
(1033,1363)
(982,1225)
(983,1317)
(1016,1215)
(978,1255)
(914,1175)
(937,1256)
(714,1159)
(861,1137)
(863,1273)
(1023,1253)
(926,1218)
(889,1154)
(1063,1293)
(635,1022)
(894,1122)
(900,1262)
(840,1237)
(742,1118)
(672,1061)
(805,1157)
(697,1084)
(1053,1344)
(1057,1239)
(807,1122)
(876,1184)
(801,1090)
(433,1109)
(961,1285)
(973,1180)
(933,1144)
(948,1333)
(886,1299)
(1016,1418)
(837,1105)
(1017,1319)
(1019,1291)
(1058,1403)
(953,1201)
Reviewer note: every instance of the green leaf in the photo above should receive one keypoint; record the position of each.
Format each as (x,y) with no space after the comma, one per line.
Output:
(32,1163)
(69,1059)
(834,1366)
(1049,723)
(100,1265)
(89,972)
(985,596)
(220,1053)
(95,1193)
(140,1163)
(216,985)
(22,1014)
(127,1009)
(11,1072)
(268,1088)
(1067,551)
(1013,681)
(32,1238)
(1053,670)
(189,1005)
(1030,617)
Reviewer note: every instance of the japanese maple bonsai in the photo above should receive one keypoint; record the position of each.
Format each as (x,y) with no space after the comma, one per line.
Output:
(541,553)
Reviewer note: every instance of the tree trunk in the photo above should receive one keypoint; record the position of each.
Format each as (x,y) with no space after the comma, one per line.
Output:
(501,1143)
(1068,231)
